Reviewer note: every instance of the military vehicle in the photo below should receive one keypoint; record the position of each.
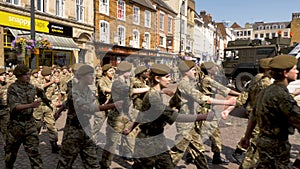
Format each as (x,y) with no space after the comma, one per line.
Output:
(241,57)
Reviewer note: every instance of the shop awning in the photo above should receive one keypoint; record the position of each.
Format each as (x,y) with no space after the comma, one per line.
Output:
(58,42)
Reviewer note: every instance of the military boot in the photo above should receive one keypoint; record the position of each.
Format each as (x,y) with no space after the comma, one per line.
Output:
(55,148)
(217,159)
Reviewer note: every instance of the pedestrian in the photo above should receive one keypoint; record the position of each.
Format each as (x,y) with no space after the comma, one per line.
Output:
(277,114)
(4,110)
(22,126)
(77,134)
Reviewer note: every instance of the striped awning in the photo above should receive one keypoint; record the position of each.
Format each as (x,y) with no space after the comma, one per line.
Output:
(57,42)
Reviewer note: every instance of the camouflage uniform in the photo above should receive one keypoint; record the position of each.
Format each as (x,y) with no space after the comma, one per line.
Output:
(10,79)
(64,78)
(150,148)
(4,110)
(276,113)
(187,138)
(22,126)
(76,138)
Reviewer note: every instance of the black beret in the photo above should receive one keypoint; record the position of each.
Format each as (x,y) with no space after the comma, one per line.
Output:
(186,65)
(160,69)
(46,71)
(283,62)
(124,66)
(106,67)
(140,69)
(21,70)
(85,69)
(264,63)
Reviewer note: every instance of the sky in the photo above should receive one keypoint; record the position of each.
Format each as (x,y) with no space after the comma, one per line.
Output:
(242,11)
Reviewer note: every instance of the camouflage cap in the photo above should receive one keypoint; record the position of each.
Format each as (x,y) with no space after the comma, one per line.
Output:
(160,69)
(46,71)
(140,69)
(186,65)
(34,71)
(264,63)
(2,71)
(106,67)
(85,69)
(21,70)
(124,66)
(283,62)
(207,65)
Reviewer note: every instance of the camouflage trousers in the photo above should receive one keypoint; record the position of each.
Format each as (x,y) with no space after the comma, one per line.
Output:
(273,153)
(251,157)
(44,114)
(116,123)
(99,119)
(4,118)
(211,128)
(162,161)
(22,133)
(193,145)
(76,141)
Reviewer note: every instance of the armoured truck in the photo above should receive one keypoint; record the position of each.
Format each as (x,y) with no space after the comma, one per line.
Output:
(241,58)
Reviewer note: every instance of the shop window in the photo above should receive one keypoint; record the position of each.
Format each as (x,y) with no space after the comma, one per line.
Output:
(62,58)
(79,10)
(147,19)
(121,10)
(104,7)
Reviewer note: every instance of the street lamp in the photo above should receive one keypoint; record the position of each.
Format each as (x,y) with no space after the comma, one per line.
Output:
(180,29)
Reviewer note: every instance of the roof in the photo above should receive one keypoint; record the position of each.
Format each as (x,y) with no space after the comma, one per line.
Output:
(235,25)
(164,5)
(145,3)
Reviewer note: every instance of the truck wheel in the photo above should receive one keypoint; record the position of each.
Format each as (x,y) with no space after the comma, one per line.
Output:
(242,79)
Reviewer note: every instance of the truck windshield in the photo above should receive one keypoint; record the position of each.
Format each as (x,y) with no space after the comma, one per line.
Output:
(231,55)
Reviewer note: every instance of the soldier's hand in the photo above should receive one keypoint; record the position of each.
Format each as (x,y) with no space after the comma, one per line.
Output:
(126,131)
(36,104)
(226,112)
(231,101)
(245,142)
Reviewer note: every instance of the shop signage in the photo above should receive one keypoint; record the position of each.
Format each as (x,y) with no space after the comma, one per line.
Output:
(58,29)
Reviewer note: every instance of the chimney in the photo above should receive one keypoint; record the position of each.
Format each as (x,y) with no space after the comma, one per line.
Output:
(202,13)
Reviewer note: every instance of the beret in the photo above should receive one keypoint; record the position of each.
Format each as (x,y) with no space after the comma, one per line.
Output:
(186,65)
(2,71)
(283,62)
(124,66)
(140,69)
(21,70)
(106,67)
(76,66)
(160,69)
(64,67)
(207,65)
(10,70)
(85,69)
(264,63)
(46,71)
(34,71)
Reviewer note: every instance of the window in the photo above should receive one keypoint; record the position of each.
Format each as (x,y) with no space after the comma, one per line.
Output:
(79,10)
(282,26)
(261,35)
(14,2)
(170,20)
(104,7)
(256,35)
(121,35)
(136,39)
(267,26)
(40,5)
(146,42)
(104,32)
(59,8)
(285,34)
(245,33)
(274,26)
(249,33)
(260,27)
(161,41)
(147,19)
(121,10)
(161,21)
(273,35)
(267,35)
(136,15)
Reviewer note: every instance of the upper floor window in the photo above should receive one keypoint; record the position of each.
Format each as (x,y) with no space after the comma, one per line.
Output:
(285,34)
(104,7)
(40,5)
(15,2)
(274,26)
(170,25)
(260,27)
(136,15)
(256,35)
(147,19)
(121,35)
(136,39)
(104,32)
(273,35)
(282,26)
(146,43)
(267,27)
(249,33)
(121,10)
(79,10)
(59,8)
(161,21)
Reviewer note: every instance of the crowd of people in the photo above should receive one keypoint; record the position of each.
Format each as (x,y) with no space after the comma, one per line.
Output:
(135,105)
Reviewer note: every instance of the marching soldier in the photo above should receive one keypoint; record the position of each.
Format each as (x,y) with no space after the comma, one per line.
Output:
(4,111)
(10,77)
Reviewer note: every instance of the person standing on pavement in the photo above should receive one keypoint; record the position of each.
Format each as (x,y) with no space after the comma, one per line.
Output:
(77,134)
(277,115)
(22,126)
(4,110)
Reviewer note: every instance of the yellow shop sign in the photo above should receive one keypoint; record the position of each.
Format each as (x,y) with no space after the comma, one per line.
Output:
(22,22)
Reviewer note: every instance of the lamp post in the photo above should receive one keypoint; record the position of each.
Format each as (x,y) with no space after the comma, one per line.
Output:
(180,28)
(32,27)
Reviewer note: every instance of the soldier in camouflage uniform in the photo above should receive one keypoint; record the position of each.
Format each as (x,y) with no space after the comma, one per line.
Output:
(10,77)
(81,105)
(64,78)
(22,126)
(44,114)
(34,78)
(277,114)
(187,137)
(4,111)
